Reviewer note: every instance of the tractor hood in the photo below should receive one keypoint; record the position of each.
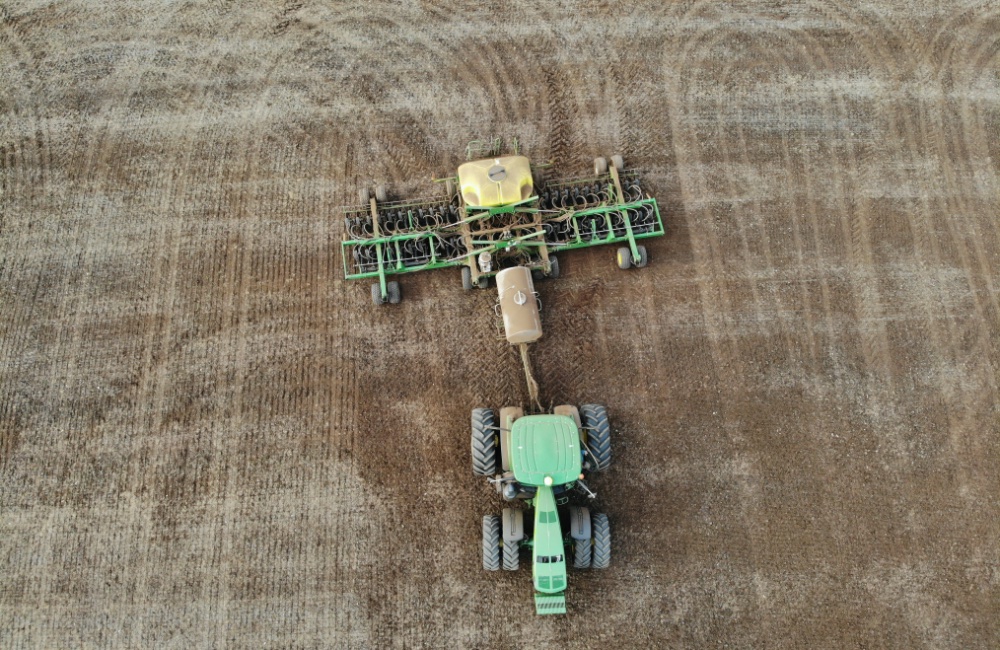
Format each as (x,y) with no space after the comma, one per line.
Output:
(548,553)
(545,450)
(495,181)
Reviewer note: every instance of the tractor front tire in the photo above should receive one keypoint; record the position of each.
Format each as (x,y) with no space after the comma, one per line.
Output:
(598,428)
(484,442)
(601,552)
(491,542)
(581,554)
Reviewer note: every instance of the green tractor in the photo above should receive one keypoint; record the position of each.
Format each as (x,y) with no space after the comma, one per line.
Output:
(541,461)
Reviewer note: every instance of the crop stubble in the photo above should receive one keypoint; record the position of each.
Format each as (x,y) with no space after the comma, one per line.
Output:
(208,438)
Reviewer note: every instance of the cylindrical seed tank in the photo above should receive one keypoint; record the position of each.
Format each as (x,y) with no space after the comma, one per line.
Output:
(518,305)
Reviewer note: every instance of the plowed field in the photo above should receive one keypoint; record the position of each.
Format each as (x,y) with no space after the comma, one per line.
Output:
(209,439)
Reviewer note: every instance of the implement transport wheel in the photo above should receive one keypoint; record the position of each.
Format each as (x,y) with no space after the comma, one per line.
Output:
(600,166)
(618,162)
(553,267)
(491,542)
(377,294)
(484,442)
(598,428)
(394,295)
(643,258)
(380,194)
(484,282)
(624,258)
(364,195)
(511,557)
(467,278)
(581,553)
(601,552)
(449,189)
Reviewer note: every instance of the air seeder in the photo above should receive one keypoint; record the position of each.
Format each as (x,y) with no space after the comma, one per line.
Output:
(541,460)
(496,214)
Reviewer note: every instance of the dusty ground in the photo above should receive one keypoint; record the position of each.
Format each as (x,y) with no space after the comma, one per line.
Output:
(209,439)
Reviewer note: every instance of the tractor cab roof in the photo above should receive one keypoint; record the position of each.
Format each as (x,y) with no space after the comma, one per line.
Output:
(545,450)
(494,182)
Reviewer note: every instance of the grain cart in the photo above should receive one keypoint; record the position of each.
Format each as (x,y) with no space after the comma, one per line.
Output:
(492,215)
(540,461)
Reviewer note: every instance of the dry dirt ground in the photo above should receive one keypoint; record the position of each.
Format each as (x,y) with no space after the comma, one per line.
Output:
(210,439)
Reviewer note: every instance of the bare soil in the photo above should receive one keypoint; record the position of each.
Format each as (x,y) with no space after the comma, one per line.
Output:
(209,439)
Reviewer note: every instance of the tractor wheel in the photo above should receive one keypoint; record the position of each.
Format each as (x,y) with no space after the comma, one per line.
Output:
(643,258)
(624,258)
(484,442)
(600,166)
(393,290)
(511,557)
(553,267)
(380,194)
(365,196)
(491,542)
(377,294)
(601,552)
(618,162)
(581,554)
(595,422)
(449,189)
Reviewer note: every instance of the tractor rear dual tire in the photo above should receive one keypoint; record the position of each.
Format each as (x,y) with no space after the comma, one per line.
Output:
(511,556)
(491,542)
(484,442)
(601,550)
(581,554)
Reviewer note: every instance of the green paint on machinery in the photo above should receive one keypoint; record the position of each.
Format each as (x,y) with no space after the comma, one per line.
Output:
(541,461)
(492,216)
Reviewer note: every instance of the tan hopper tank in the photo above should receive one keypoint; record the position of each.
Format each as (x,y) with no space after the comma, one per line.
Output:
(518,305)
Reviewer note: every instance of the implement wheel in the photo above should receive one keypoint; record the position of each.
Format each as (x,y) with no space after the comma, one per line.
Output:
(394,295)
(364,195)
(600,166)
(601,552)
(624,258)
(484,442)
(643,258)
(467,278)
(598,428)
(377,294)
(553,267)
(491,542)
(617,162)
(449,189)
(380,194)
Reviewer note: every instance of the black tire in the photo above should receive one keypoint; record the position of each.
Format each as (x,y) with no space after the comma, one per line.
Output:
(394,294)
(595,420)
(484,442)
(581,554)
(449,189)
(601,551)
(617,162)
(600,166)
(377,294)
(624,258)
(537,275)
(467,278)
(553,267)
(491,542)
(380,194)
(511,556)
(643,258)
(483,282)
(365,195)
